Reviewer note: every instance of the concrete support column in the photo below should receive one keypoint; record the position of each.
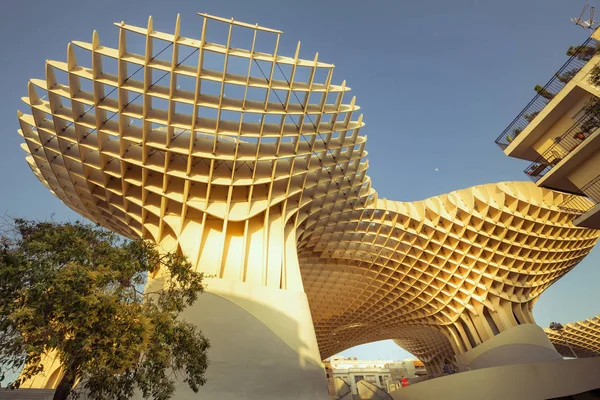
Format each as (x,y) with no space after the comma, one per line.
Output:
(263,344)
(522,344)
(254,310)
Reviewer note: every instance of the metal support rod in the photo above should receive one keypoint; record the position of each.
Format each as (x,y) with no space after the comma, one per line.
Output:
(567,343)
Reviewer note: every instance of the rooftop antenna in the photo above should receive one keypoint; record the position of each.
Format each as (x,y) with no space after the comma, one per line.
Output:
(589,23)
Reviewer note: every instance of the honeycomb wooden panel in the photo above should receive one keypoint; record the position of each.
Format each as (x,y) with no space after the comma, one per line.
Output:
(582,336)
(252,164)
(471,263)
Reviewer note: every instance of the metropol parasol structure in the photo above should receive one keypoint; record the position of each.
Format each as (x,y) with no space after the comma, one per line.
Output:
(252,164)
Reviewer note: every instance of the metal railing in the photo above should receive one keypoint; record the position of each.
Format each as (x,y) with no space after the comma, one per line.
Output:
(581,204)
(566,143)
(544,94)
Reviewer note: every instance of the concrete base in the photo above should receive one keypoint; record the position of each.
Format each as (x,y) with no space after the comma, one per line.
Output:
(263,344)
(536,381)
(526,343)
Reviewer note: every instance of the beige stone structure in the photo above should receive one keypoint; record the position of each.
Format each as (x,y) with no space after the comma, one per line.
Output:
(582,336)
(252,164)
(559,379)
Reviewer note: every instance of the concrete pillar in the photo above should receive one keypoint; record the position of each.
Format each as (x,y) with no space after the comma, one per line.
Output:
(254,310)
(263,344)
(522,344)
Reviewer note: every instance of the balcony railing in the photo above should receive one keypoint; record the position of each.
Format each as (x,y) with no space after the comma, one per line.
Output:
(565,144)
(544,94)
(581,204)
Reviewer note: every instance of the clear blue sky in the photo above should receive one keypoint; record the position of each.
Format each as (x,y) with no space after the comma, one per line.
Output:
(437,81)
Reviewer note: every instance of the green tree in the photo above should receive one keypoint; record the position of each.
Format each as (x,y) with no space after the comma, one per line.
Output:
(76,290)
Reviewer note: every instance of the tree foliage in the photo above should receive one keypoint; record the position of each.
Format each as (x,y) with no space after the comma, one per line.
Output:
(76,290)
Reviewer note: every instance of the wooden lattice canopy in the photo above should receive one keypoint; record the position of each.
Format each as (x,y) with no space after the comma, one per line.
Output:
(171,138)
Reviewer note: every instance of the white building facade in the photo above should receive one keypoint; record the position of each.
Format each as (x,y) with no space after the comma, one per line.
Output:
(353,371)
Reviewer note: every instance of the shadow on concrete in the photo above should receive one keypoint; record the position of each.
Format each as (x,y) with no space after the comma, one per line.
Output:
(247,359)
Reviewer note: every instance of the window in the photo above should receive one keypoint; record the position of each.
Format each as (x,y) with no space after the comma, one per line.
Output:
(579,113)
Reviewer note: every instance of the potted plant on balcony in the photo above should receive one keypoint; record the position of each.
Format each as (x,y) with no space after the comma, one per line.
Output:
(579,135)
(592,121)
(588,127)
(595,76)
(584,53)
(543,92)
(568,75)
(593,106)
(529,117)
(533,170)
(517,131)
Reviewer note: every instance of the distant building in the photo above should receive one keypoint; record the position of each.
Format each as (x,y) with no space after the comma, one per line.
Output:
(411,369)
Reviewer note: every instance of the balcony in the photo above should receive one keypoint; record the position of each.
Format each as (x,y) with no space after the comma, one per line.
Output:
(579,57)
(586,208)
(563,145)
